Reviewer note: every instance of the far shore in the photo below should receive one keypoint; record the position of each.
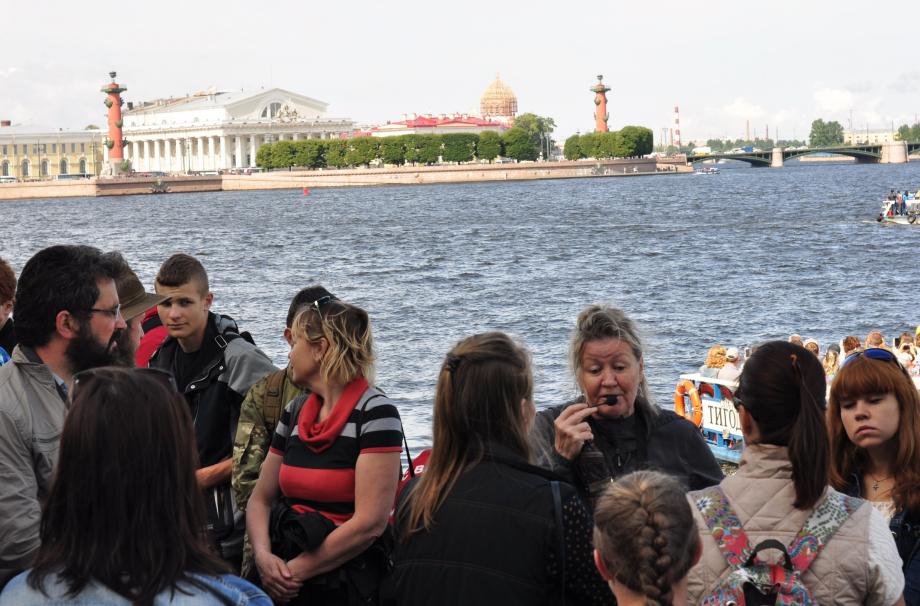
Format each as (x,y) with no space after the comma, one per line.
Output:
(356,177)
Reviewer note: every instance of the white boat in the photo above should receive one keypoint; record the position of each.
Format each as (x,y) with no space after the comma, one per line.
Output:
(708,403)
(708,170)
(911,215)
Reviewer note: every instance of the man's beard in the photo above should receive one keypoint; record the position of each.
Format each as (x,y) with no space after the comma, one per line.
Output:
(85,352)
(124,352)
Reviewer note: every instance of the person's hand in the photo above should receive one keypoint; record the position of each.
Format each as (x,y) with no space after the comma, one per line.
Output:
(277,579)
(572,430)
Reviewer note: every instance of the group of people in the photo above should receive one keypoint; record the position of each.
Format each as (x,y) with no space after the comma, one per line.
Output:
(901,199)
(206,475)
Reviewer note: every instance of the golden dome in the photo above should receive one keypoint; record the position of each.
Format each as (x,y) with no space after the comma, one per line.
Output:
(498,100)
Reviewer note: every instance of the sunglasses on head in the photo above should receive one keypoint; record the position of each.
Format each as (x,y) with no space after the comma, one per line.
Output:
(876,353)
(162,376)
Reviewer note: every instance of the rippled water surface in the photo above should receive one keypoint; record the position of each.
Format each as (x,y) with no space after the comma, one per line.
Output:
(745,256)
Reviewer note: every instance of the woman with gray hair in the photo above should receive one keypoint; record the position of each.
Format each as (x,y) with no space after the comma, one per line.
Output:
(613,428)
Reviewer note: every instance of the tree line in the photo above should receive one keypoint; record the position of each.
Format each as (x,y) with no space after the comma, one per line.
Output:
(630,141)
(909,133)
(515,143)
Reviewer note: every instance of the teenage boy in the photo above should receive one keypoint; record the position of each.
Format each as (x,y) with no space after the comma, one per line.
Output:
(214,366)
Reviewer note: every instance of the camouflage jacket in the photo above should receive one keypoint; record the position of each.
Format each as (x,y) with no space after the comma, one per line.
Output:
(254,435)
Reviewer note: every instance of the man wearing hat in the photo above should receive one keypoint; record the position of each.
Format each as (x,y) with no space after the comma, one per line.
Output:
(732,370)
(134,302)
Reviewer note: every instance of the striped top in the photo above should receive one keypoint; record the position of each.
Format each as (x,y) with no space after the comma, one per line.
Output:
(318,468)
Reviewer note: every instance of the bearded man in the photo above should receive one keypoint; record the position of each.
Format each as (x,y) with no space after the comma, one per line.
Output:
(67,317)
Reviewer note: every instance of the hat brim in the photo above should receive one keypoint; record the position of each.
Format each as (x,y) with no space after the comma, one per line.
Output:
(139,307)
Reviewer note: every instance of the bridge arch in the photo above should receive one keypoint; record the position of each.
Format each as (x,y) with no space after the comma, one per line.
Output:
(752,159)
(864,155)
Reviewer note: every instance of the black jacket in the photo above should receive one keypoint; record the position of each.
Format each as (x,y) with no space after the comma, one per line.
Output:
(491,540)
(664,442)
(216,392)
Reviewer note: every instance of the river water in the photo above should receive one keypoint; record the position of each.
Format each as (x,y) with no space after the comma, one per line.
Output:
(746,256)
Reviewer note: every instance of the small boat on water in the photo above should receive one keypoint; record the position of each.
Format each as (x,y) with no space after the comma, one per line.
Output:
(708,170)
(889,213)
(709,404)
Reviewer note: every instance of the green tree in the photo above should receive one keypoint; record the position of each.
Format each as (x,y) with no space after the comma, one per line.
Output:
(335,153)
(410,144)
(309,153)
(489,146)
(572,149)
(538,127)
(393,150)
(519,145)
(459,147)
(635,141)
(428,149)
(909,133)
(361,151)
(825,134)
(282,155)
(264,156)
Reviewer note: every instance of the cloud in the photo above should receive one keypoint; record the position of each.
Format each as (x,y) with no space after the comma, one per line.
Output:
(742,108)
(908,82)
(833,100)
(10,71)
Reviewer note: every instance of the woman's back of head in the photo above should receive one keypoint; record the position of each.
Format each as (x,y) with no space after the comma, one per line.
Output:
(483,398)
(347,330)
(125,508)
(715,357)
(782,387)
(645,535)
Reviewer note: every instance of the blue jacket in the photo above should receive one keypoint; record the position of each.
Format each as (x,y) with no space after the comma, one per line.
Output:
(226,590)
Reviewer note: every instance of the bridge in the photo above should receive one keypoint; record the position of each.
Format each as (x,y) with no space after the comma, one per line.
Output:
(896,152)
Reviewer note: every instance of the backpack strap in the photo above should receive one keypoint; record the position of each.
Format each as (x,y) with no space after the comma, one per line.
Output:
(724,525)
(271,403)
(820,527)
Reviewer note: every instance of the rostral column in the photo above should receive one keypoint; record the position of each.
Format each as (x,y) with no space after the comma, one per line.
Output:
(115,142)
(600,101)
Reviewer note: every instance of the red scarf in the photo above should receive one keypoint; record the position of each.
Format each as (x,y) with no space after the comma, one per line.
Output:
(320,435)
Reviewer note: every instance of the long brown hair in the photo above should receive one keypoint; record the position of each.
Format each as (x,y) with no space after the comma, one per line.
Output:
(782,387)
(864,376)
(124,508)
(482,383)
(645,533)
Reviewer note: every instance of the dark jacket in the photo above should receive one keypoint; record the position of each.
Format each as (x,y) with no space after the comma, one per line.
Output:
(8,337)
(905,528)
(665,442)
(491,540)
(215,394)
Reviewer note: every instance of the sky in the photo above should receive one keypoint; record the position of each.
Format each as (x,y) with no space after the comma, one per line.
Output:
(776,63)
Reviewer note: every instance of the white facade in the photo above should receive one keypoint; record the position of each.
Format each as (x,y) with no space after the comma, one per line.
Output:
(863,137)
(213,131)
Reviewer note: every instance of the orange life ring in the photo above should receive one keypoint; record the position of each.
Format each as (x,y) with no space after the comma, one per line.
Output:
(687,388)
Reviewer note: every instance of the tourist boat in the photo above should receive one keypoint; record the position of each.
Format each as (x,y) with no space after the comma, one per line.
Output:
(708,170)
(708,403)
(887,214)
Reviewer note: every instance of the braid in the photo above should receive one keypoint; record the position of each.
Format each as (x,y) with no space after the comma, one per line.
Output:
(645,533)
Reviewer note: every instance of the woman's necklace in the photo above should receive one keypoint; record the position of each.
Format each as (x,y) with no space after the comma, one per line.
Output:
(877,481)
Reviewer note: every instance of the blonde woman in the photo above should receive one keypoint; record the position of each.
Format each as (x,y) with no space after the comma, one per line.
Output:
(329,480)
(715,359)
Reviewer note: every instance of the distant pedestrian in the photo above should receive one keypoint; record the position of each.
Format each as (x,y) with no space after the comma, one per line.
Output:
(732,369)
(812,346)
(850,345)
(715,360)
(796,339)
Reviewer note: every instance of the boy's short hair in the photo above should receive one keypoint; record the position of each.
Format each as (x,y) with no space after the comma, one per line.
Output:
(181,269)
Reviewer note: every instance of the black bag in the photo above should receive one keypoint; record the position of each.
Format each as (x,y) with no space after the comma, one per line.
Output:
(226,525)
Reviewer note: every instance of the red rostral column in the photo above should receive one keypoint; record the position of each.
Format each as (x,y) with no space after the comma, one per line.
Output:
(600,100)
(115,141)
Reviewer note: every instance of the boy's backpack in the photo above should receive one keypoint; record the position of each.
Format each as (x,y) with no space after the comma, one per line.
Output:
(752,581)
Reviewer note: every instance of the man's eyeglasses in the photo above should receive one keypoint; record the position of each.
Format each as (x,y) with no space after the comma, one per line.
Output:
(115,312)
(85,376)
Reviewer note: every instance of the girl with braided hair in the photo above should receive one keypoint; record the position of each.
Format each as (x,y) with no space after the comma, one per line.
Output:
(645,539)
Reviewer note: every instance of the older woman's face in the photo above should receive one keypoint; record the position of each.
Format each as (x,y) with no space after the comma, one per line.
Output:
(609,368)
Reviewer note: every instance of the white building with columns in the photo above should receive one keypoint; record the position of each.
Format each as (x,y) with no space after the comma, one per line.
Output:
(213,131)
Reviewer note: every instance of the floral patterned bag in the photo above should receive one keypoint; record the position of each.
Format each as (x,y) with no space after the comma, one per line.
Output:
(752,581)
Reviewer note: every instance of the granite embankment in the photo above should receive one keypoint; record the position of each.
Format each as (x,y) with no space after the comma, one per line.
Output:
(358,177)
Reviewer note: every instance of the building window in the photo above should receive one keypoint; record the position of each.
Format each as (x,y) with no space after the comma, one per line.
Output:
(73,148)
(25,149)
(54,148)
(4,152)
(83,166)
(63,170)
(25,169)
(44,168)
(5,169)
(83,148)
(271,111)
